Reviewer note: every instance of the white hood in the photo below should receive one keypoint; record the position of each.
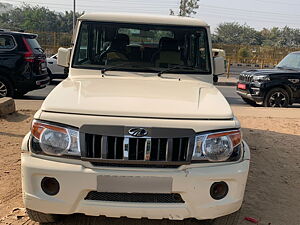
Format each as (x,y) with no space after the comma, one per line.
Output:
(150,97)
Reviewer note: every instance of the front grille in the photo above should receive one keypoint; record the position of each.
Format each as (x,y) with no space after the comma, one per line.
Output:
(124,149)
(134,197)
(150,149)
(246,78)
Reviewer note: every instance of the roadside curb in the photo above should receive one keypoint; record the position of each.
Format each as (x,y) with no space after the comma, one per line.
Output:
(7,106)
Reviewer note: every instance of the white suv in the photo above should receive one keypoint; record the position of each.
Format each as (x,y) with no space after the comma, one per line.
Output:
(137,129)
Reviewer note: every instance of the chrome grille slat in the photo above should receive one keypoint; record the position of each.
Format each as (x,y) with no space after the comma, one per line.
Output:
(115,148)
(93,145)
(104,147)
(180,145)
(137,149)
(147,150)
(169,150)
(126,148)
(158,150)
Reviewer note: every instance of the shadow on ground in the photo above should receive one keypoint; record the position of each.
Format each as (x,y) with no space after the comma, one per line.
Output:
(16,117)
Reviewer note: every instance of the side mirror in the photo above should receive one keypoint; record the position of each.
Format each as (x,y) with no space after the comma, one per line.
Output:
(219,66)
(63,57)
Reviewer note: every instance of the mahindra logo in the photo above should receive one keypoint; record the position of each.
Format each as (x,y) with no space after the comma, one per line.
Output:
(138,132)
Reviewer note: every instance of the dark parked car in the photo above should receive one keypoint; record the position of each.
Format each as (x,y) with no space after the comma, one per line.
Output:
(278,87)
(23,66)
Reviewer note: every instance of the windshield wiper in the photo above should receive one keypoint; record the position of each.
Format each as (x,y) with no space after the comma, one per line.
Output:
(113,67)
(174,68)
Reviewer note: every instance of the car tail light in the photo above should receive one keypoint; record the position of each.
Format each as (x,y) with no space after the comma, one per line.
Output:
(28,56)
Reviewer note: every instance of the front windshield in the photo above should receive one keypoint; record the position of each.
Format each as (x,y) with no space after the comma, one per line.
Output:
(142,47)
(291,61)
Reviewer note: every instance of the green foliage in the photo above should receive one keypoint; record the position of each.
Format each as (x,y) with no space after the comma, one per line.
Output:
(234,33)
(244,53)
(37,18)
(186,8)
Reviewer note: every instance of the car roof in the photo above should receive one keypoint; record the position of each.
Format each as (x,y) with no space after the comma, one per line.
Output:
(143,19)
(28,35)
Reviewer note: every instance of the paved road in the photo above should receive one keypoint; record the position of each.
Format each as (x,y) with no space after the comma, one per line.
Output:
(34,99)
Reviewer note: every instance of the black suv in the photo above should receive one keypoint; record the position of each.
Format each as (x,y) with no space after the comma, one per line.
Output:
(23,66)
(278,87)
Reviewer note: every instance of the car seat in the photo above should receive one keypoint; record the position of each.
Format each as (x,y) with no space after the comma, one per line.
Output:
(168,53)
(117,50)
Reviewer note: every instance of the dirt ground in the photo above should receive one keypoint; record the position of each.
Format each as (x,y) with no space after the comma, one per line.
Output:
(273,189)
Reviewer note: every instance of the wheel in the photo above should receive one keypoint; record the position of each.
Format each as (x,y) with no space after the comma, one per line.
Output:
(50,76)
(277,97)
(6,88)
(215,78)
(42,217)
(231,219)
(249,102)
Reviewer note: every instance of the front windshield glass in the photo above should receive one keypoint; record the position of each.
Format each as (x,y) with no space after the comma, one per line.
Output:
(142,47)
(291,61)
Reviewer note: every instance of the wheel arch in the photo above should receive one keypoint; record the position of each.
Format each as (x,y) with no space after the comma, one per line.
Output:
(283,86)
(4,72)
(11,83)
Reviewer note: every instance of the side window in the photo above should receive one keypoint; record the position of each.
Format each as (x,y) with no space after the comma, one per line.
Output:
(83,44)
(7,42)
(90,44)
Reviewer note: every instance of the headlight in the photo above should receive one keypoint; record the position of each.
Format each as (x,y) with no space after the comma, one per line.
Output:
(261,78)
(216,147)
(55,140)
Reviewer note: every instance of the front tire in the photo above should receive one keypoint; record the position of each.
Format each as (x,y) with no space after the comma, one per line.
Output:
(6,88)
(50,76)
(277,97)
(231,219)
(42,217)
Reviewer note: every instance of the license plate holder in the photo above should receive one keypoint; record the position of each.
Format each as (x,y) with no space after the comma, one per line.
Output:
(131,184)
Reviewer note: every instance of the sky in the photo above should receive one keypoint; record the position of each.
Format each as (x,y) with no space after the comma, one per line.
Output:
(255,13)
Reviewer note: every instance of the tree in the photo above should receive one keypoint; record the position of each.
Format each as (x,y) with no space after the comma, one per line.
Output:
(65,20)
(281,37)
(37,19)
(186,8)
(234,33)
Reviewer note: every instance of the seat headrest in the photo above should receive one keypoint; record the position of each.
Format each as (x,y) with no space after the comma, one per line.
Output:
(168,44)
(120,42)
(123,38)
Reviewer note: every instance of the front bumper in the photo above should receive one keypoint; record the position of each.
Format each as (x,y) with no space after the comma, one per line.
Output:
(33,83)
(252,92)
(77,179)
(246,95)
